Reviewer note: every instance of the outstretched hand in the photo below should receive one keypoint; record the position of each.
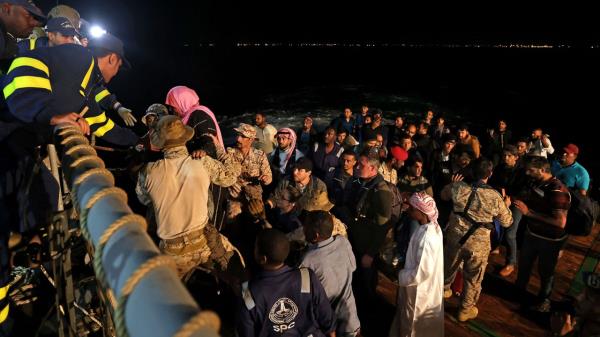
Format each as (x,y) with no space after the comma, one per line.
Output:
(72,118)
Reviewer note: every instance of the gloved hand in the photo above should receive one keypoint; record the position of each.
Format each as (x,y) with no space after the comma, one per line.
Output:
(127,116)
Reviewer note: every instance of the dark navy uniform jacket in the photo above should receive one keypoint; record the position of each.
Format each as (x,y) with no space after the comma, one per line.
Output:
(32,44)
(101,95)
(279,307)
(46,82)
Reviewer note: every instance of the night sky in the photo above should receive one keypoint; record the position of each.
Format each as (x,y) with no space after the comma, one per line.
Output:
(166,22)
(167,43)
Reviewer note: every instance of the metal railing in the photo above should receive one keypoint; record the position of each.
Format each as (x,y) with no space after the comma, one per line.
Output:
(139,286)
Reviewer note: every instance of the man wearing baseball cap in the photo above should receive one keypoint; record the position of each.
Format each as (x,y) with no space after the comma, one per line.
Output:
(59,30)
(256,171)
(18,18)
(569,171)
(111,46)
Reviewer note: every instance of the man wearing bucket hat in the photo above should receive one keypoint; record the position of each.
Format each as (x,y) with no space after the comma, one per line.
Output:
(255,171)
(177,187)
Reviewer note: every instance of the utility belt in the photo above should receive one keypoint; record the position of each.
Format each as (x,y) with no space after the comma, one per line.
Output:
(185,238)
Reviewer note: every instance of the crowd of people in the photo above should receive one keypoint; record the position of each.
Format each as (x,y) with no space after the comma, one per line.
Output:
(298,221)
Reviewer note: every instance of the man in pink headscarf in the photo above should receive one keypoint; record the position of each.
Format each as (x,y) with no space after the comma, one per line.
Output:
(284,157)
(186,104)
(207,135)
(420,310)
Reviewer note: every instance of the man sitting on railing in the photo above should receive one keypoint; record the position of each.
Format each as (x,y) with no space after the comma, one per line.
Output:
(177,187)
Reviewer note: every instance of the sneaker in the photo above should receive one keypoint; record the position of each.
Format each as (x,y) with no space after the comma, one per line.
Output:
(544,306)
(495,251)
(447,293)
(507,270)
(467,314)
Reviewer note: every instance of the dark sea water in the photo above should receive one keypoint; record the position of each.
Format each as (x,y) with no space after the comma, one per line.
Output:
(556,89)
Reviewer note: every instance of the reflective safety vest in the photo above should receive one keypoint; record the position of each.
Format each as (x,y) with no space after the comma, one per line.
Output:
(47,82)
(32,44)
(102,96)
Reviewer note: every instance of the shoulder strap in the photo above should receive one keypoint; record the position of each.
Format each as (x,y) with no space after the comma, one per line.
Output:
(474,224)
(470,200)
(305,281)
(247,296)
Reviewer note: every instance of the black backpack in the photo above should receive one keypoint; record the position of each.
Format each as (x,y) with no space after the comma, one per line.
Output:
(580,217)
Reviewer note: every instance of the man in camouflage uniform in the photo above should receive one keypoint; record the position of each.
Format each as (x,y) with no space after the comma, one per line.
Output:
(177,187)
(255,172)
(473,214)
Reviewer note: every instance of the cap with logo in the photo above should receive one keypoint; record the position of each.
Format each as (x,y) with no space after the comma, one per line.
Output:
(61,25)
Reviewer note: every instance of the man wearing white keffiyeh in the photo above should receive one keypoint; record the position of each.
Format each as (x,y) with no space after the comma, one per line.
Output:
(420,310)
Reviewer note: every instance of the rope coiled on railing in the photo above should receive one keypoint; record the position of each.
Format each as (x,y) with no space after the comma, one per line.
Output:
(126,261)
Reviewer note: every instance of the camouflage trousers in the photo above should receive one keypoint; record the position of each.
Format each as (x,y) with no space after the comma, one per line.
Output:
(473,256)
(205,247)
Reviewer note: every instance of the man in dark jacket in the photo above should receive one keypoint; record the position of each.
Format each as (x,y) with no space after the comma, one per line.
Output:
(368,210)
(282,301)
(509,179)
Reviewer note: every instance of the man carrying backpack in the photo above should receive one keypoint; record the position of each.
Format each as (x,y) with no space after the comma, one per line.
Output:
(544,210)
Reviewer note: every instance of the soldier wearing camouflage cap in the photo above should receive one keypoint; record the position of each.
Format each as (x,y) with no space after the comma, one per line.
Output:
(153,114)
(256,171)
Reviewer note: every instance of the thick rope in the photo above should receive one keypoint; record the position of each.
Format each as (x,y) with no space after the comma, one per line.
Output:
(87,158)
(204,319)
(115,226)
(132,282)
(69,132)
(105,192)
(64,129)
(93,172)
(96,197)
(108,233)
(69,139)
(80,147)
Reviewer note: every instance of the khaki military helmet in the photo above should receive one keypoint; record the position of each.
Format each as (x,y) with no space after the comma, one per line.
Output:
(63,11)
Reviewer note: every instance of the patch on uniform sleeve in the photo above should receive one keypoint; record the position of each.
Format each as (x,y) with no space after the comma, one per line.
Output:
(282,314)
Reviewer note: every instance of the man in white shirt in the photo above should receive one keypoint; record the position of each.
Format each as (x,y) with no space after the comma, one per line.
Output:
(265,134)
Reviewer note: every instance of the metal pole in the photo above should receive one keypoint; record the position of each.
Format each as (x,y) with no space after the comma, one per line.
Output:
(61,266)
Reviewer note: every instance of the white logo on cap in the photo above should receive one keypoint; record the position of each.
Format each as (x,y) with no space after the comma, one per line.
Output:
(66,24)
